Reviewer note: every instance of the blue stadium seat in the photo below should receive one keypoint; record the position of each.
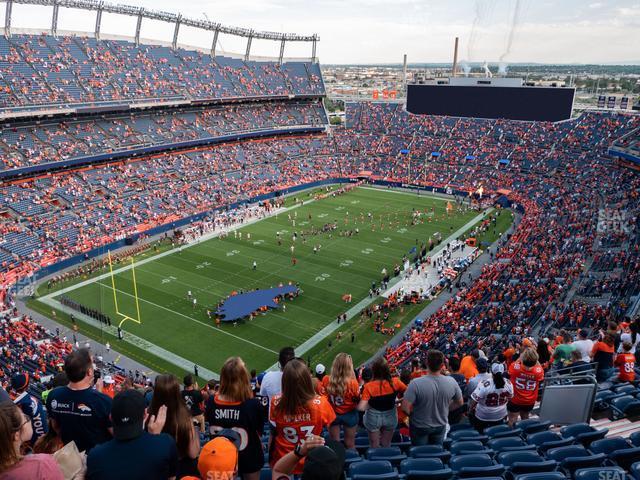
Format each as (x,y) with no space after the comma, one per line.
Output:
(635,439)
(542,476)
(265,474)
(525,462)
(506,444)
(500,431)
(391,454)
(351,456)
(625,388)
(608,445)
(600,473)
(574,457)
(465,447)
(532,425)
(583,433)
(369,467)
(475,465)
(362,444)
(399,440)
(420,465)
(547,439)
(430,451)
(625,458)
(625,406)
(635,470)
(466,434)
(444,474)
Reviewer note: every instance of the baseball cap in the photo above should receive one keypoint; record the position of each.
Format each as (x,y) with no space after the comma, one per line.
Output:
(497,368)
(20,381)
(325,463)
(220,455)
(127,414)
(108,379)
(320,369)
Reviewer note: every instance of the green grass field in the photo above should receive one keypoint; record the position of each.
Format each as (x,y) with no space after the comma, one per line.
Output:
(213,268)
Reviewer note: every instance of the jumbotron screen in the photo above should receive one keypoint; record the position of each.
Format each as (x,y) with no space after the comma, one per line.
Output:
(516,103)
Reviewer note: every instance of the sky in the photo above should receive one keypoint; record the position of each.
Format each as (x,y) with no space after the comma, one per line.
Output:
(381,31)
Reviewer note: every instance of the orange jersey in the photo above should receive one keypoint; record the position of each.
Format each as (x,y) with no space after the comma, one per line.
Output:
(348,401)
(291,429)
(525,382)
(626,363)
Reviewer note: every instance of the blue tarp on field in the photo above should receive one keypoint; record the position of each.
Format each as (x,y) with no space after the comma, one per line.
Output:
(242,305)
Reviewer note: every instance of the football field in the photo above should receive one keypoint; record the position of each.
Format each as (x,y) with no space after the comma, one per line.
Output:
(211,269)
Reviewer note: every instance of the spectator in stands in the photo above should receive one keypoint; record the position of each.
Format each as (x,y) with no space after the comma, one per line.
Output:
(468,364)
(455,415)
(194,400)
(272,382)
(297,413)
(602,354)
(219,457)
(343,392)
(483,366)
(626,362)
(324,460)
(134,453)
(562,353)
(490,398)
(4,396)
(544,354)
(234,407)
(525,374)
(583,345)
(378,401)
(577,365)
(59,380)
(77,411)
(632,337)
(29,405)
(428,400)
(417,368)
(15,430)
(178,422)
(318,378)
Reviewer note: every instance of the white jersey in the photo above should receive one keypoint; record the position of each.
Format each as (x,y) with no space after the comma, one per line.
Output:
(491,401)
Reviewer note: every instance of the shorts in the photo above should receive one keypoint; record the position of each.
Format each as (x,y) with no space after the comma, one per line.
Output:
(349,419)
(515,407)
(376,420)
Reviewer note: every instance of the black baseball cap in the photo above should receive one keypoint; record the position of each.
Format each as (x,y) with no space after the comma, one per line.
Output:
(127,415)
(325,463)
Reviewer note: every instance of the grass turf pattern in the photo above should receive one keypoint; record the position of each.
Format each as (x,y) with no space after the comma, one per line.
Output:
(214,268)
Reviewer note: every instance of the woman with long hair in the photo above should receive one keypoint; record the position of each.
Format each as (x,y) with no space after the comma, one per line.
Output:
(602,354)
(343,392)
(15,430)
(179,423)
(297,413)
(544,355)
(490,398)
(378,401)
(234,407)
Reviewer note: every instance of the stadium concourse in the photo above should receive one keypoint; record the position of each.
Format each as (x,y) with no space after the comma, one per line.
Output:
(569,275)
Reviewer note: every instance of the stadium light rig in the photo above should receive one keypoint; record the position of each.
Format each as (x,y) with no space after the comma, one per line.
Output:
(177,19)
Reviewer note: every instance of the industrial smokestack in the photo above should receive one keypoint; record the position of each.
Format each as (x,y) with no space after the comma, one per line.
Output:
(404,73)
(455,58)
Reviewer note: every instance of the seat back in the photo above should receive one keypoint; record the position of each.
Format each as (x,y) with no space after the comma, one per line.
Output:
(600,473)
(465,446)
(420,465)
(560,453)
(500,444)
(575,429)
(458,462)
(625,458)
(370,467)
(509,458)
(608,445)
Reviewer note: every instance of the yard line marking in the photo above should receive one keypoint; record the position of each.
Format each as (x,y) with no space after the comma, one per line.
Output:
(194,319)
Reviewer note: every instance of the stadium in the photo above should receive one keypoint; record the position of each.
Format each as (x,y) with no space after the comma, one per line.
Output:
(166,209)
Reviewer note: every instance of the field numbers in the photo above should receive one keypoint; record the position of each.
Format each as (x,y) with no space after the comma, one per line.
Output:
(281,232)
(323,215)
(367,251)
(302,224)
(232,253)
(402,230)
(385,240)
(346,263)
(202,265)
(169,279)
(355,202)
(258,242)
(322,277)
(339,209)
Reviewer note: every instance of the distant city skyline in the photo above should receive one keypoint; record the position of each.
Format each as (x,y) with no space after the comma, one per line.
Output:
(381,31)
